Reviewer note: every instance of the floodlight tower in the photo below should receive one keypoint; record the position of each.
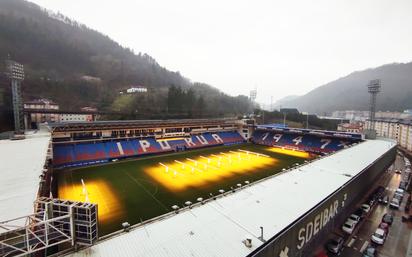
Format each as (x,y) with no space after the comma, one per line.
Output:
(15,72)
(374,87)
(253,94)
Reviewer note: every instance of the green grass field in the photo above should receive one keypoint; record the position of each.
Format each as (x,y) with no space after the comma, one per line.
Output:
(125,191)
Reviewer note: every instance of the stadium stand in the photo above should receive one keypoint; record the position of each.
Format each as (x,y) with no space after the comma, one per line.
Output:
(80,154)
(305,142)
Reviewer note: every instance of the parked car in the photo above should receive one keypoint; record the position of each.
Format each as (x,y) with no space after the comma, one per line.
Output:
(403,185)
(359,212)
(383,199)
(398,196)
(400,191)
(355,218)
(394,203)
(371,201)
(335,245)
(379,191)
(365,207)
(370,251)
(398,171)
(387,218)
(384,226)
(379,236)
(349,226)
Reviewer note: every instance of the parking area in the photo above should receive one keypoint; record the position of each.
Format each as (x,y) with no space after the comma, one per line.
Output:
(397,236)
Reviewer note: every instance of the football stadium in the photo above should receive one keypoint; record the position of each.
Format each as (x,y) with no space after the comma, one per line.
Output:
(208,187)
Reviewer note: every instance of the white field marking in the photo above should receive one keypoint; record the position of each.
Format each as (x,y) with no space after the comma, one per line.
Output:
(195,162)
(183,165)
(208,159)
(351,242)
(364,246)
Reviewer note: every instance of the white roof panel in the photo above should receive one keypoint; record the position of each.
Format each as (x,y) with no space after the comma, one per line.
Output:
(21,163)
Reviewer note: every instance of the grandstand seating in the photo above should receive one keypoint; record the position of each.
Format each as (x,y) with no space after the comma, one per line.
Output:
(305,142)
(74,154)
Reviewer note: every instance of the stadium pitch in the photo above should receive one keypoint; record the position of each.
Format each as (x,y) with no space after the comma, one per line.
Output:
(140,189)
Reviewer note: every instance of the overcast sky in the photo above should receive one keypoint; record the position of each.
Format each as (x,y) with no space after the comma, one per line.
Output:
(280,47)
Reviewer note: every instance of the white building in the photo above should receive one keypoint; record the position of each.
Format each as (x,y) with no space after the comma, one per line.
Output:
(75,117)
(137,89)
(363,115)
(42,105)
(398,129)
(351,127)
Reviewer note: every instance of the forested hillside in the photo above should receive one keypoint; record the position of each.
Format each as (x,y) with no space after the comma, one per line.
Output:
(76,66)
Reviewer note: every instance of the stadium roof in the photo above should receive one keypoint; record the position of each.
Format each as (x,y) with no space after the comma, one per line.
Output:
(219,227)
(70,126)
(21,163)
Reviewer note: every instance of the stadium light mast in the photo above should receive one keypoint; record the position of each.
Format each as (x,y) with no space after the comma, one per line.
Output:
(374,87)
(253,94)
(15,72)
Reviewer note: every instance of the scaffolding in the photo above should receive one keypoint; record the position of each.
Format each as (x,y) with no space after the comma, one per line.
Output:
(60,223)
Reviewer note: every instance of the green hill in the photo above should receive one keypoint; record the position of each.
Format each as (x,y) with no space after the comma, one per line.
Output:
(350,92)
(77,66)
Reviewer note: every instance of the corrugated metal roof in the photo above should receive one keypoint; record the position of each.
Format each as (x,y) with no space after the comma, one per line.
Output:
(218,227)
(21,163)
